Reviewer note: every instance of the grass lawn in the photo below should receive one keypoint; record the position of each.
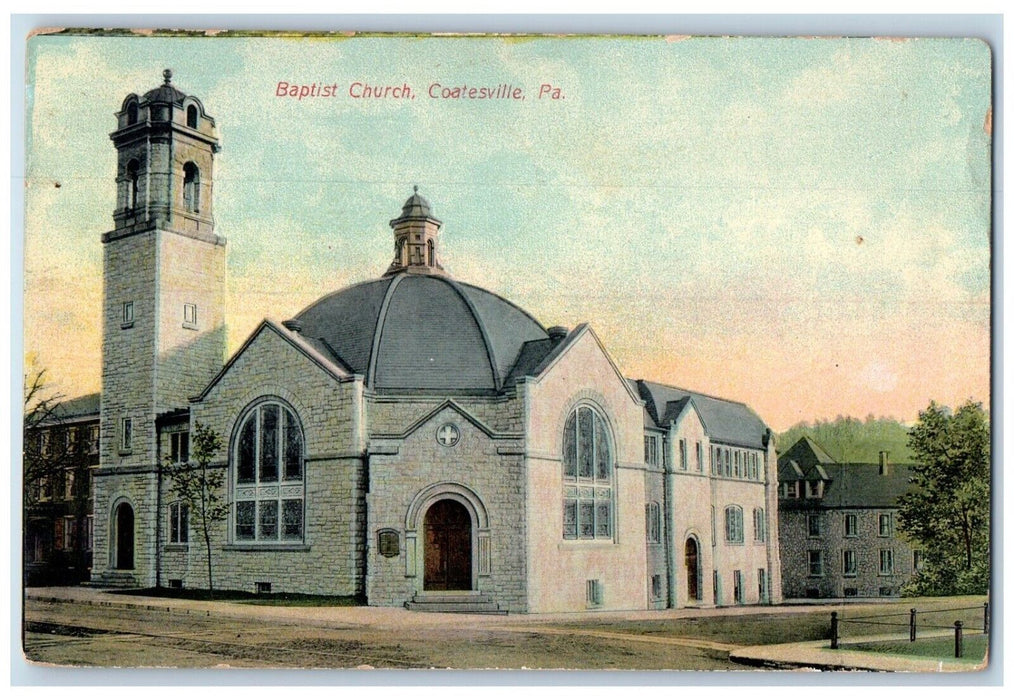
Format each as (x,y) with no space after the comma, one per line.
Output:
(941,648)
(292,600)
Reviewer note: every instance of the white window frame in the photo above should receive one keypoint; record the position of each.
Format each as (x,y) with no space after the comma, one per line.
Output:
(850,525)
(734,524)
(848,556)
(595,489)
(190,315)
(815,565)
(683,455)
(700,457)
(179,523)
(813,525)
(68,533)
(887,562)
(652,522)
(93,439)
(127,314)
(260,495)
(885,524)
(759,525)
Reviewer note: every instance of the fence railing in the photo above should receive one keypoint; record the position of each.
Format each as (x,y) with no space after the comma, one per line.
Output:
(931,622)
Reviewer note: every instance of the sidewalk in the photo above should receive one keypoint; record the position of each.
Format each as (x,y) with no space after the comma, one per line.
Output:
(819,655)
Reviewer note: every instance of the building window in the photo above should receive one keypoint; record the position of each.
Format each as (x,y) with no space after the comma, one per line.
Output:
(918,559)
(813,525)
(656,586)
(737,586)
(44,445)
(792,489)
(814,489)
(133,175)
(179,447)
(593,593)
(179,523)
(886,524)
(652,522)
(68,533)
(683,455)
(93,439)
(716,586)
(127,315)
(762,586)
(849,567)
(191,187)
(126,434)
(727,459)
(886,562)
(268,458)
(587,476)
(734,525)
(88,534)
(736,467)
(700,458)
(650,450)
(68,485)
(192,117)
(851,526)
(190,315)
(758,525)
(716,466)
(815,559)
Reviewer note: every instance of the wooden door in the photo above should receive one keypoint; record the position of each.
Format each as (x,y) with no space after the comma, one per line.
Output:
(448,556)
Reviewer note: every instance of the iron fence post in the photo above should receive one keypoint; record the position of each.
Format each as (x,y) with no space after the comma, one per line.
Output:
(911,624)
(985,618)
(834,630)
(957,639)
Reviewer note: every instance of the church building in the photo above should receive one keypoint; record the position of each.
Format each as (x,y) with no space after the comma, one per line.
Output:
(414,439)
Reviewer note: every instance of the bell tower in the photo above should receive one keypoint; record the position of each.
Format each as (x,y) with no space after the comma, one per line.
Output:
(415,238)
(163,324)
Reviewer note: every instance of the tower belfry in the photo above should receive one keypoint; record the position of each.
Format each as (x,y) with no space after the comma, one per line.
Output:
(415,238)
(163,322)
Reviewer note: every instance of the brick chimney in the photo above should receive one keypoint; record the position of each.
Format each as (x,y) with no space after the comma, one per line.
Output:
(884,465)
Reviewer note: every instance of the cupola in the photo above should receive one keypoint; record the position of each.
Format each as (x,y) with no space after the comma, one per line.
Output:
(415,238)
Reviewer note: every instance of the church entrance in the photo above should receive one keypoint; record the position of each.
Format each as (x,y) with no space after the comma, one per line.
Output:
(448,547)
(124,536)
(691,556)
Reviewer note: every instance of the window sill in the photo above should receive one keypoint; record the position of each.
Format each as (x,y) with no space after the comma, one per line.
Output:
(124,453)
(190,326)
(586,544)
(177,547)
(128,324)
(266,547)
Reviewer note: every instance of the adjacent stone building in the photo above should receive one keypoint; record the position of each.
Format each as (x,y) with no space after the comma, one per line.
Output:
(838,526)
(413,439)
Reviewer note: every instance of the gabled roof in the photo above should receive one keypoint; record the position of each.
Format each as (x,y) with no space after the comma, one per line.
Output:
(80,407)
(316,352)
(804,460)
(725,421)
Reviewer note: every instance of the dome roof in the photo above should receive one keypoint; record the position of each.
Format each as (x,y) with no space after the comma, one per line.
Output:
(165,92)
(420,332)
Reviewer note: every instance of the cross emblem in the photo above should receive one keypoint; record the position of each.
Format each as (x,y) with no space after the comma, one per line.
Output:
(448,435)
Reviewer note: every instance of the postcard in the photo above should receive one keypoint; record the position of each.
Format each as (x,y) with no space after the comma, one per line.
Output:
(507,351)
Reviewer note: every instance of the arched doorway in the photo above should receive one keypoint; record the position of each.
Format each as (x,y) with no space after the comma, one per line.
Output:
(124,536)
(692,562)
(448,547)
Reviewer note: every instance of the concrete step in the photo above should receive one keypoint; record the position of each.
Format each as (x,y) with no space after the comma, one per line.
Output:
(112,579)
(455,602)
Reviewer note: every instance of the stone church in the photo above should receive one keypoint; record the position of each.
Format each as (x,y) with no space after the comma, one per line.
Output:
(414,439)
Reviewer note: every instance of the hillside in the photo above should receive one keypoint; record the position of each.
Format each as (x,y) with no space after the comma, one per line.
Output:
(852,440)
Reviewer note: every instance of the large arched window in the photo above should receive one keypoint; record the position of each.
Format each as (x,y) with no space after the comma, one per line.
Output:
(191,187)
(268,475)
(587,476)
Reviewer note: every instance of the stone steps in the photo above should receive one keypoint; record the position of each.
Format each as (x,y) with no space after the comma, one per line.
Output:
(112,579)
(455,602)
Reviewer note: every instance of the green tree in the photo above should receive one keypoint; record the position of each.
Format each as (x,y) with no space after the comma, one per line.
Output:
(947,510)
(200,487)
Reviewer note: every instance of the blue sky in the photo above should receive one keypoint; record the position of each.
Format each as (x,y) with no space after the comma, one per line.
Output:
(801,224)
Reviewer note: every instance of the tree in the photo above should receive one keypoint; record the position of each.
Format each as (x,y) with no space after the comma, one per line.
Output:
(947,510)
(42,462)
(200,487)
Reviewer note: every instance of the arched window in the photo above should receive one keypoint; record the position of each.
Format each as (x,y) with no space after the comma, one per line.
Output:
(268,475)
(587,476)
(191,187)
(133,173)
(192,117)
(132,113)
(430,258)
(734,524)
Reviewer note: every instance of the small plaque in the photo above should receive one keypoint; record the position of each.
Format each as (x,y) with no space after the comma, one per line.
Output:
(388,543)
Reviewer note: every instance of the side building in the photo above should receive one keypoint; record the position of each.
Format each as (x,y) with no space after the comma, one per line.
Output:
(838,526)
(61,454)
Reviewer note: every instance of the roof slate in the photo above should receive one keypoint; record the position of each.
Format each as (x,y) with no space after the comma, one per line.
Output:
(726,421)
(80,406)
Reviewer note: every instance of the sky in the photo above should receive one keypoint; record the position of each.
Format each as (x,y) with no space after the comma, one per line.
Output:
(799,224)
